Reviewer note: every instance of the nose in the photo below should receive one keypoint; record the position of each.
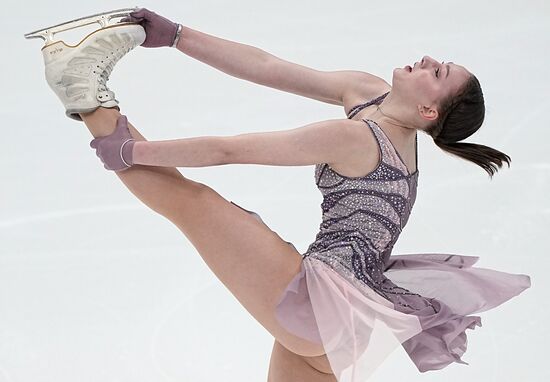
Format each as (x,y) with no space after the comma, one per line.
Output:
(426,59)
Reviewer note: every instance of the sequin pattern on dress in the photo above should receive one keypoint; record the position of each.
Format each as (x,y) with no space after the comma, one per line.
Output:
(362,217)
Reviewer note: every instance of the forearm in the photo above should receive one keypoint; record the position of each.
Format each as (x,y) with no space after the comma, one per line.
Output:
(239,60)
(187,152)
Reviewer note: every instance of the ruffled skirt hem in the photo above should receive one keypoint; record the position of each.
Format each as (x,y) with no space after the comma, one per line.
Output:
(424,305)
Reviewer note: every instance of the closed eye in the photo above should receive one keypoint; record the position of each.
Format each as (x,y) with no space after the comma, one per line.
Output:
(437,70)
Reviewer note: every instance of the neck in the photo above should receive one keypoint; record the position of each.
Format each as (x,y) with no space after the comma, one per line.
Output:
(389,112)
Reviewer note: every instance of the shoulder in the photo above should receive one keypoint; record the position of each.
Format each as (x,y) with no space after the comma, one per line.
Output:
(362,159)
(342,142)
(361,153)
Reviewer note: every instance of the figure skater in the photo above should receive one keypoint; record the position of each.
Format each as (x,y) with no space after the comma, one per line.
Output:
(338,310)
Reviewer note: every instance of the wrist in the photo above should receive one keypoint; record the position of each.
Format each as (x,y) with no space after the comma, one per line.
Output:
(177,37)
(139,155)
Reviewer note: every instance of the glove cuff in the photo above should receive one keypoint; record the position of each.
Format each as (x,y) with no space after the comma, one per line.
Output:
(126,151)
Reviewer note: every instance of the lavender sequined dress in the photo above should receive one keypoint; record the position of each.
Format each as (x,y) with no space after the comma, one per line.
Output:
(360,301)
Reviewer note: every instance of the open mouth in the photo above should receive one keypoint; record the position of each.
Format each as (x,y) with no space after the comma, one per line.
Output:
(408,67)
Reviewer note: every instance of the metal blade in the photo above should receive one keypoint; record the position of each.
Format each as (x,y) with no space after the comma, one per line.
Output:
(104,19)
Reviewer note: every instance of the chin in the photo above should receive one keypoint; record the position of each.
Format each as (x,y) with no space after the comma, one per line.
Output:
(398,73)
(401,71)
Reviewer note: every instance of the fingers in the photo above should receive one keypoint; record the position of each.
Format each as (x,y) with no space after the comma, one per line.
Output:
(122,122)
(140,13)
(130,19)
(136,16)
(122,126)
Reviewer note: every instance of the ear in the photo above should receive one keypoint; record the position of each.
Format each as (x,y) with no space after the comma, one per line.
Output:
(429,113)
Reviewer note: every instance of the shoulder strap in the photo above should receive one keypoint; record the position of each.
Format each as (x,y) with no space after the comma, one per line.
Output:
(416,150)
(390,154)
(356,109)
(373,128)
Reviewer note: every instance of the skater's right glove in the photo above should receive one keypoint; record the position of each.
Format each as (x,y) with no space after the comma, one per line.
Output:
(159,30)
(116,150)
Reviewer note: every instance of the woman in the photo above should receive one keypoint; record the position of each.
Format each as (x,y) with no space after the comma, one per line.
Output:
(339,309)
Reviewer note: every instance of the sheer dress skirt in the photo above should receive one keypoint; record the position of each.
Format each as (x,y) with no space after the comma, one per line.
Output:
(422,302)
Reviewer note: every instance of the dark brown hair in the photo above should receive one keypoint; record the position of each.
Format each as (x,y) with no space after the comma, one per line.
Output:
(461,115)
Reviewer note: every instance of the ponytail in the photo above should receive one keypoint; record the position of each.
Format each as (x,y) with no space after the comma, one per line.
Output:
(484,156)
(461,115)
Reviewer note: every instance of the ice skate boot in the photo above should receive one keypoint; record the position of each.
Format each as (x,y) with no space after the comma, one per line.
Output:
(79,74)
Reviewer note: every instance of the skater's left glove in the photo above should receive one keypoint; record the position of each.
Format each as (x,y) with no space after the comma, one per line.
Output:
(159,30)
(116,150)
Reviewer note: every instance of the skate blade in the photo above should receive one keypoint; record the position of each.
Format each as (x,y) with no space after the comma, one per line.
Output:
(103,19)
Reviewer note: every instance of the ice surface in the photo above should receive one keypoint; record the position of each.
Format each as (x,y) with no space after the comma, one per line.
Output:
(95,286)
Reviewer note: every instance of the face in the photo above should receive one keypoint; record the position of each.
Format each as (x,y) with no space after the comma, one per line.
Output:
(427,82)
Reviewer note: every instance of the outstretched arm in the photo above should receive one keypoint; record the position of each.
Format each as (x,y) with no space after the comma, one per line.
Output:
(333,141)
(256,65)
(253,64)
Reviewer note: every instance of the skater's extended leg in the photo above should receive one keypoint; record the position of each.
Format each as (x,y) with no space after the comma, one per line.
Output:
(250,259)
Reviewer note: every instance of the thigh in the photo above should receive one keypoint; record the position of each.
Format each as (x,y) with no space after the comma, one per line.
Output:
(249,258)
(286,366)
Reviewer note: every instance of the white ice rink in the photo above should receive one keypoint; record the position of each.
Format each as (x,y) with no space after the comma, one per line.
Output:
(94,286)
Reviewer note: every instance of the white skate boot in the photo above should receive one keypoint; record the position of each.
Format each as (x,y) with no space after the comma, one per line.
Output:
(78,74)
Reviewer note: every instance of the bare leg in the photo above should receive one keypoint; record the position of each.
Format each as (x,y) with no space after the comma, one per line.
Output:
(285,366)
(147,183)
(250,259)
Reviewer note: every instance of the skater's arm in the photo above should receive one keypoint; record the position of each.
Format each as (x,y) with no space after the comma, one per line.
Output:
(187,152)
(253,64)
(333,141)
(336,141)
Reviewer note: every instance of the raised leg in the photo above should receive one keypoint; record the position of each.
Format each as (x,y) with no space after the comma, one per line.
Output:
(286,366)
(250,259)
(148,183)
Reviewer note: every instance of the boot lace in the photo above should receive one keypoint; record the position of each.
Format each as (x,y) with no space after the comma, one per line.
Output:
(106,70)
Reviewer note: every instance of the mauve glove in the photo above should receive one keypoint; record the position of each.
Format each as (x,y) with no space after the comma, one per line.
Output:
(115,150)
(159,30)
